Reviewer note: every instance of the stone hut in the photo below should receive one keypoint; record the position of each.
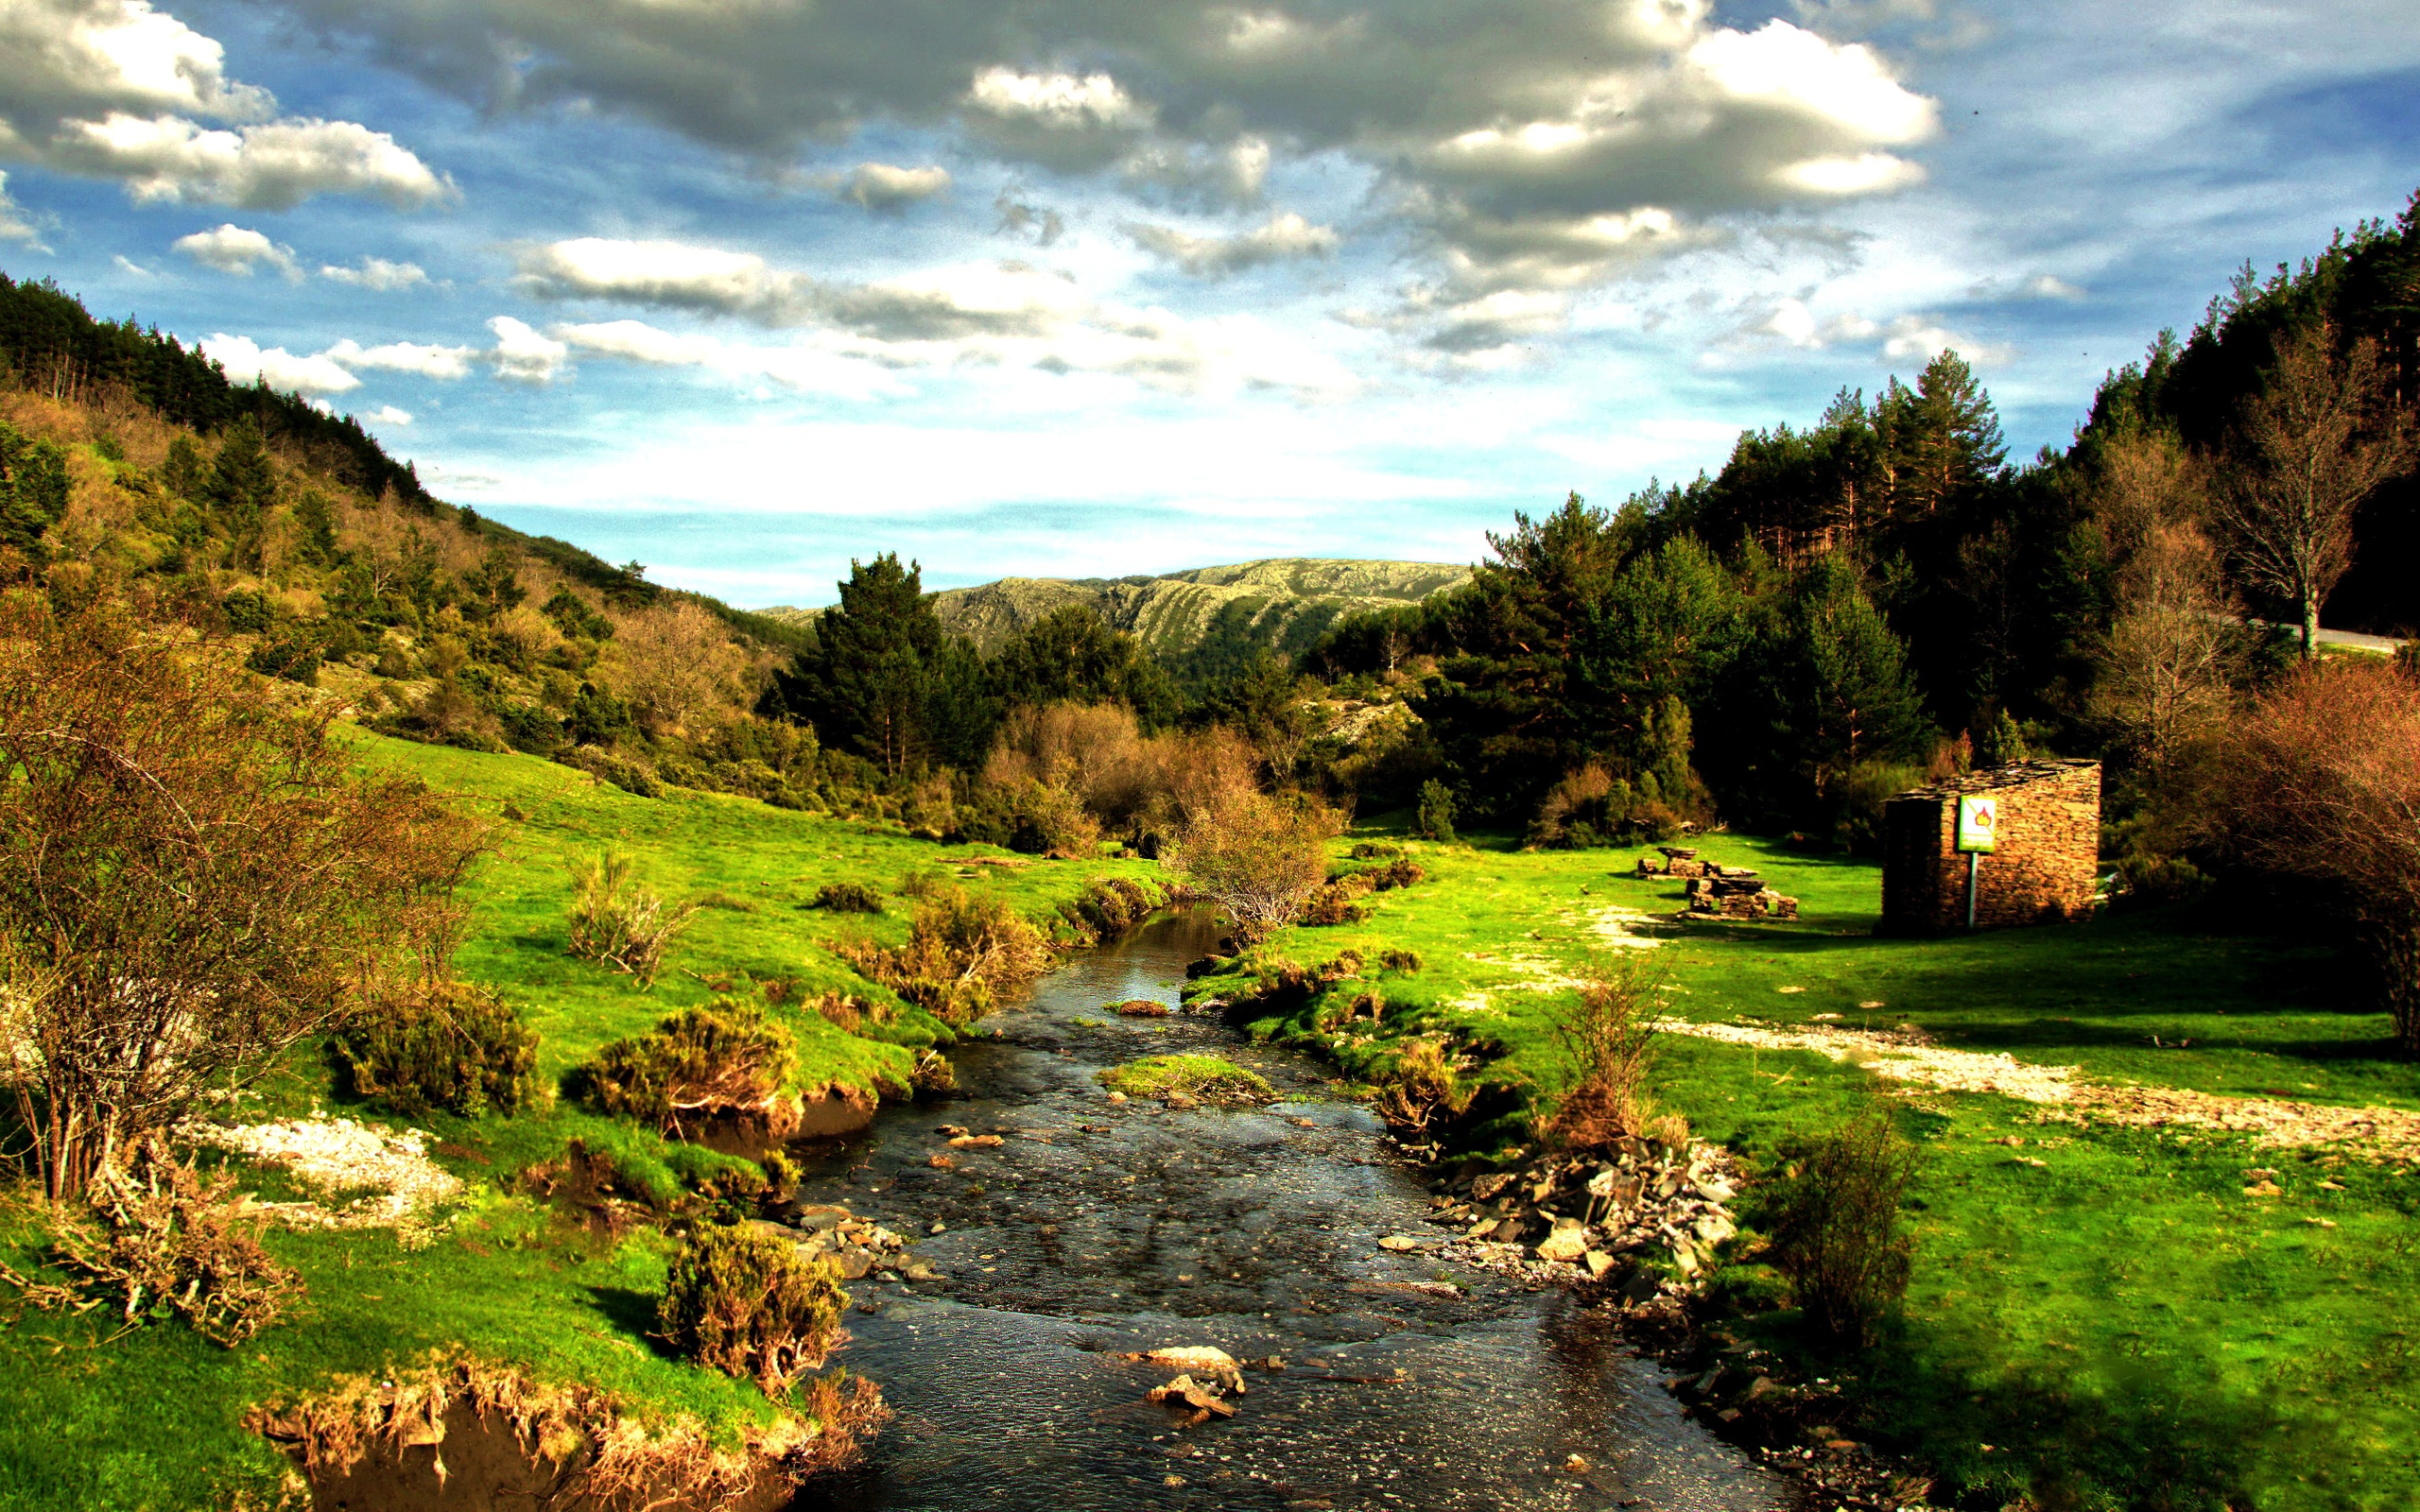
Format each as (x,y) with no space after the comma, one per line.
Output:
(2042,871)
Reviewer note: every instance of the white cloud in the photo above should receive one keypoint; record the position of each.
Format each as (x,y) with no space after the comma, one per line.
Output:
(1284,236)
(522,355)
(2051,286)
(804,366)
(376,273)
(969,313)
(882,187)
(445,363)
(232,248)
(1061,102)
(247,361)
(113,89)
(387,415)
(1506,134)
(128,266)
(14,224)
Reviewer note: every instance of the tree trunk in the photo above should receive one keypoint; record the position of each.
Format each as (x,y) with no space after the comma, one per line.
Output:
(2310,626)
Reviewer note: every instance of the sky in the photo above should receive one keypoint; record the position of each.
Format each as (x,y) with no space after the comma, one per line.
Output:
(744,289)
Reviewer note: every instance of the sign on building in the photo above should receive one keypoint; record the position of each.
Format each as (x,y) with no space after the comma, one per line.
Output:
(1979,817)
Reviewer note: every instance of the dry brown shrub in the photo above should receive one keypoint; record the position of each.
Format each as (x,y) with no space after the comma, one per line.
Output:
(167,1240)
(962,951)
(1421,1086)
(1608,1035)
(193,878)
(2321,780)
(1260,858)
(675,664)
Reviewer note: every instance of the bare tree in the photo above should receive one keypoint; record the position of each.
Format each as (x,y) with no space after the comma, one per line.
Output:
(675,662)
(2322,782)
(1258,857)
(2319,437)
(2168,666)
(192,879)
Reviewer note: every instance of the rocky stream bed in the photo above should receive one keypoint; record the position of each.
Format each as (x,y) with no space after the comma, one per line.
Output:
(1025,1248)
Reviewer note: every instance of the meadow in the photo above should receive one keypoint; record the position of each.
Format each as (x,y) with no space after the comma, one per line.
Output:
(153,1419)
(2100,1316)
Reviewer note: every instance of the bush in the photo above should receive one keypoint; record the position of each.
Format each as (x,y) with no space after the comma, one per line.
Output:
(1404,962)
(1108,909)
(1401,873)
(293,656)
(1419,1087)
(1833,1225)
(1376,850)
(1608,1038)
(697,1064)
(169,1243)
(1436,812)
(616,920)
(1260,858)
(847,898)
(445,1044)
(247,613)
(961,952)
(1592,807)
(750,1305)
(1333,902)
(1857,797)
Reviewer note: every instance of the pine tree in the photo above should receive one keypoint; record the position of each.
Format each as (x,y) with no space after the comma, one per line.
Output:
(241,487)
(1942,437)
(867,683)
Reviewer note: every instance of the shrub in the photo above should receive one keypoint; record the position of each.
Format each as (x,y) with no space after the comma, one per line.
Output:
(933,1074)
(750,1305)
(698,1063)
(442,1044)
(293,656)
(1857,797)
(1406,962)
(1435,815)
(847,898)
(1110,909)
(169,1243)
(1258,858)
(1401,873)
(1419,1087)
(1333,902)
(961,951)
(1592,807)
(1376,850)
(1833,1225)
(247,613)
(616,920)
(1608,1038)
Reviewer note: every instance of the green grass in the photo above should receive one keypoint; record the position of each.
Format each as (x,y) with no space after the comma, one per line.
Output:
(2123,1325)
(1206,1078)
(154,1420)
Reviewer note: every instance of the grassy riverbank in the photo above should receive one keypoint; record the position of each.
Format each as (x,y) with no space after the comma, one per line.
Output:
(154,1419)
(2105,1307)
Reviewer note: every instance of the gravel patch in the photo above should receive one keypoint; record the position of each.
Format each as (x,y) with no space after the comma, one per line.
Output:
(368,1176)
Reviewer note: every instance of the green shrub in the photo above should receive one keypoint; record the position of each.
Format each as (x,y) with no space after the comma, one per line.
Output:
(293,656)
(616,920)
(752,1305)
(695,1065)
(1376,850)
(847,898)
(961,951)
(1108,909)
(1857,798)
(247,613)
(1436,810)
(1833,1225)
(446,1045)
(1404,962)
(1332,901)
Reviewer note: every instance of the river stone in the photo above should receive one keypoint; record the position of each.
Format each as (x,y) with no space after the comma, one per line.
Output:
(822,1218)
(1398,1242)
(1193,1357)
(1565,1245)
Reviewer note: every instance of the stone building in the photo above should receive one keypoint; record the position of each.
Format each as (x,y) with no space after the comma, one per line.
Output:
(2042,870)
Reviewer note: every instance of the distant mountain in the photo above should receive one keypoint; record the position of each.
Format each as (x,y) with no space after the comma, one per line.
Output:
(1283,603)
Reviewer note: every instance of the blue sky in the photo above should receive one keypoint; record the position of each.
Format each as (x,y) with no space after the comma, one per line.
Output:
(743,288)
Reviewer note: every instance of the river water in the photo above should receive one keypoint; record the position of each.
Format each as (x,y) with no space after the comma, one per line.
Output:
(1095,1229)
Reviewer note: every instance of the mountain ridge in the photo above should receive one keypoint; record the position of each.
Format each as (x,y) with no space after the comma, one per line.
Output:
(1278,603)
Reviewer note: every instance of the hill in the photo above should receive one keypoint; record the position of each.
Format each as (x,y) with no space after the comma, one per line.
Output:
(1282,603)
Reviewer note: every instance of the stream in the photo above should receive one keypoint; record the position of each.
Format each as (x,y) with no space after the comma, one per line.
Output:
(1095,1229)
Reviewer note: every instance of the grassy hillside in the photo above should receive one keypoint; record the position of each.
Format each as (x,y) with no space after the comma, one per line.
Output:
(1279,604)
(154,1420)
(2120,1311)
